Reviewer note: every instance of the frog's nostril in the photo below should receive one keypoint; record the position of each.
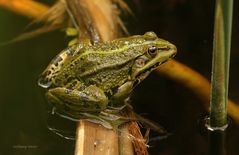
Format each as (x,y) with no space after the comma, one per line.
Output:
(164,48)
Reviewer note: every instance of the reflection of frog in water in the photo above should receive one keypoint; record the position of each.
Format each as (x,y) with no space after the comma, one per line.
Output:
(89,78)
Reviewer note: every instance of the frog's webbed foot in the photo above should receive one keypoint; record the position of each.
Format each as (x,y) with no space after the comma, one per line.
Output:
(76,97)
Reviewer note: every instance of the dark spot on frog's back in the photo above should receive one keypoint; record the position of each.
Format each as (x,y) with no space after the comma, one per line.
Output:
(74,83)
(47,73)
(97,107)
(85,105)
(69,79)
(80,70)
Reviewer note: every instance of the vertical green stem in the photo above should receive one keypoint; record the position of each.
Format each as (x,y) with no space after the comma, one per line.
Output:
(221,60)
(220,75)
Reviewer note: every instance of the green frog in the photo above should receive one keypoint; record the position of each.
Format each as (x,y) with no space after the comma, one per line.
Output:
(92,77)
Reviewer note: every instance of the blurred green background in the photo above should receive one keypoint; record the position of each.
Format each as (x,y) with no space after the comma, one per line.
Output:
(186,23)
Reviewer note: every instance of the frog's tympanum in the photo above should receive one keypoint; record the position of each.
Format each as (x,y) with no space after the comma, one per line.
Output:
(89,78)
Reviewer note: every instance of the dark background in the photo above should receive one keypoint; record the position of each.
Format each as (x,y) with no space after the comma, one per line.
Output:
(186,23)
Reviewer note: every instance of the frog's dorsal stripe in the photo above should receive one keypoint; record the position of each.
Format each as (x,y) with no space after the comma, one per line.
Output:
(119,50)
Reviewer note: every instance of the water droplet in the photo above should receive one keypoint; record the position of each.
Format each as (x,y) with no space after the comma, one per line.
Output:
(44,83)
(212,128)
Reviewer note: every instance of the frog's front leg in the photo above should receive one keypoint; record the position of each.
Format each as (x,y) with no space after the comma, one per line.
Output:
(123,92)
(77,97)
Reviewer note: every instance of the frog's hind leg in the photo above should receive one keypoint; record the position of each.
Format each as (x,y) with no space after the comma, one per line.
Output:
(77,97)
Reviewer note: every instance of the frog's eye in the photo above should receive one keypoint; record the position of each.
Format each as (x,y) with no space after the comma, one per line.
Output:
(152,51)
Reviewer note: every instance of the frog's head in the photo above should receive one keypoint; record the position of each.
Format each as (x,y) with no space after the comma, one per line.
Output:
(155,51)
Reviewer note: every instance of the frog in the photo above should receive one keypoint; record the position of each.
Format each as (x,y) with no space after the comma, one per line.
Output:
(93,77)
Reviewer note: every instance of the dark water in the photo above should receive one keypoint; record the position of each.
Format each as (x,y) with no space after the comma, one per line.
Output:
(188,24)
(23,110)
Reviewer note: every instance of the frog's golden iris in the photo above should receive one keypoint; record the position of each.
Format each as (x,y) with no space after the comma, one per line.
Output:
(89,78)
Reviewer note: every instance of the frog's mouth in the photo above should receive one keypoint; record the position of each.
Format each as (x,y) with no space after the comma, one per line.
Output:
(151,68)
(142,75)
(156,65)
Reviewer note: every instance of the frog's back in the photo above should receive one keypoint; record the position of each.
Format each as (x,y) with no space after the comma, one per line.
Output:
(103,56)
(83,60)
